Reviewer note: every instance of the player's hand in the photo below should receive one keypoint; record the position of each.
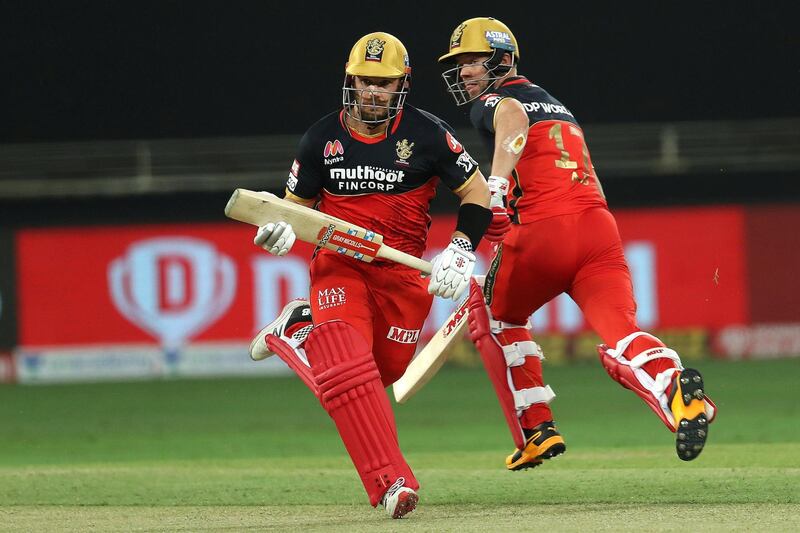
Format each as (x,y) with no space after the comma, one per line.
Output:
(452,270)
(501,222)
(499,226)
(276,238)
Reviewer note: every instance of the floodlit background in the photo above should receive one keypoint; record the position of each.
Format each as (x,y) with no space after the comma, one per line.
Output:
(124,128)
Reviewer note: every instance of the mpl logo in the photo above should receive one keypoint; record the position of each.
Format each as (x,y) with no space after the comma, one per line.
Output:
(403,336)
(172,287)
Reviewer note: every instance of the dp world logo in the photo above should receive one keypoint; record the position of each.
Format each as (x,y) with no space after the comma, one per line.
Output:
(172,287)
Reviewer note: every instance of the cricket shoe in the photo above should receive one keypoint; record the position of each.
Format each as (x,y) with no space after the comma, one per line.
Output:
(399,500)
(293,325)
(687,402)
(542,442)
(683,407)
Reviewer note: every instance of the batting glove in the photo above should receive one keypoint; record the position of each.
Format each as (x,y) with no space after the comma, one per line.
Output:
(501,223)
(276,238)
(452,270)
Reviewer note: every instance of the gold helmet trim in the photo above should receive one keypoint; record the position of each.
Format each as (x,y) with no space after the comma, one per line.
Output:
(481,35)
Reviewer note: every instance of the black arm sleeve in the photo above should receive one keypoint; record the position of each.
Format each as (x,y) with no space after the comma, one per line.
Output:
(473,220)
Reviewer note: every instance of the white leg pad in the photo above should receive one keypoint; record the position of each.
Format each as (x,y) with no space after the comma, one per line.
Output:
(658,385)
(524,398)
(516,352)
(498,325)
(646,356)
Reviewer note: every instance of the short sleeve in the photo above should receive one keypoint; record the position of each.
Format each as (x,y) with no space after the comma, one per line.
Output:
(454,165)
(483,110)
(305,176)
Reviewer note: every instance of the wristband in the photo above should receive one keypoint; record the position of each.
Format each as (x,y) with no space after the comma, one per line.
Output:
(464,244)
(473,220)
(497,185)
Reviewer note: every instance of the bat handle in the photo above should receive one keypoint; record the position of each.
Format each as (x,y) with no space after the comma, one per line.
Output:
(403,258)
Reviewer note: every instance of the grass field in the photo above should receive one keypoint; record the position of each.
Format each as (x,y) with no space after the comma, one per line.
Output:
(260,454)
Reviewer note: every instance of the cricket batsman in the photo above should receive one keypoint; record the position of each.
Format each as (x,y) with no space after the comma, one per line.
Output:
(562,238)
(375,162)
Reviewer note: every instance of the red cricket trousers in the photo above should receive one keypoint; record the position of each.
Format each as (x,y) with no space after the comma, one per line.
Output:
(386,302)
(579,254)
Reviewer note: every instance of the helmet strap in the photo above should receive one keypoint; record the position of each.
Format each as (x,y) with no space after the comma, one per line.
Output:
(495,63)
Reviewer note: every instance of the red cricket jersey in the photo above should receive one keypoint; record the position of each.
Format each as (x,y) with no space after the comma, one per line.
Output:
(555,175)
(384,184)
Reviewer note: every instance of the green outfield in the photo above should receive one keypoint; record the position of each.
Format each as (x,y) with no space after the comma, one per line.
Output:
(260,454)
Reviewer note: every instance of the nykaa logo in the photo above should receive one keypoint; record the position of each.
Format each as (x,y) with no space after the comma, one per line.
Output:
(333,148)
(403,336)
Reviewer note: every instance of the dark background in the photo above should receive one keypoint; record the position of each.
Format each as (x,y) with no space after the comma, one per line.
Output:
(103,70)
(8,304)
(79,70)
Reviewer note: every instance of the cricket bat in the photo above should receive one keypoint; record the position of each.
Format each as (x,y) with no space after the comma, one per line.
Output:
(431,358)
(320,229)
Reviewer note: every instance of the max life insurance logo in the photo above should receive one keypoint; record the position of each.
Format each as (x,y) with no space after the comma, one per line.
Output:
(172,287)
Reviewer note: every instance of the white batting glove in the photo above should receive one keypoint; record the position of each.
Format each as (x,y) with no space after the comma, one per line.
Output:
(452,269)
(276,238)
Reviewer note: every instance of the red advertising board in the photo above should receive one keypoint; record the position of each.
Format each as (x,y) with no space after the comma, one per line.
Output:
(700,266)
(171,284)
(773,260)
(163,283)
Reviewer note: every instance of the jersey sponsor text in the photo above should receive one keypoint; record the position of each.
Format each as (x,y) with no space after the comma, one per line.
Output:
(533,107)
(332,297)
(403,336)
(365,178)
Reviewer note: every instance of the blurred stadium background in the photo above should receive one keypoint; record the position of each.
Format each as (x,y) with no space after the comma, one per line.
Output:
(126,126)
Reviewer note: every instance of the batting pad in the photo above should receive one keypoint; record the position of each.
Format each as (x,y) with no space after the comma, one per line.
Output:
(292,356)
(351,391)
(494,360)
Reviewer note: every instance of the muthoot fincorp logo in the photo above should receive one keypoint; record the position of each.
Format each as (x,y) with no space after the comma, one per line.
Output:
(366,178)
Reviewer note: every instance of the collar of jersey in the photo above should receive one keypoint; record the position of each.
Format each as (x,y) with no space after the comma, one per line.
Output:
(369,140)
(516,80)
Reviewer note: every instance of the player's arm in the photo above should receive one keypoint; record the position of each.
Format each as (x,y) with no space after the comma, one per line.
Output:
(475,192)
(452,269)
(278,237)
(302,187)
(510,124)
(308,202)
(510,135)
